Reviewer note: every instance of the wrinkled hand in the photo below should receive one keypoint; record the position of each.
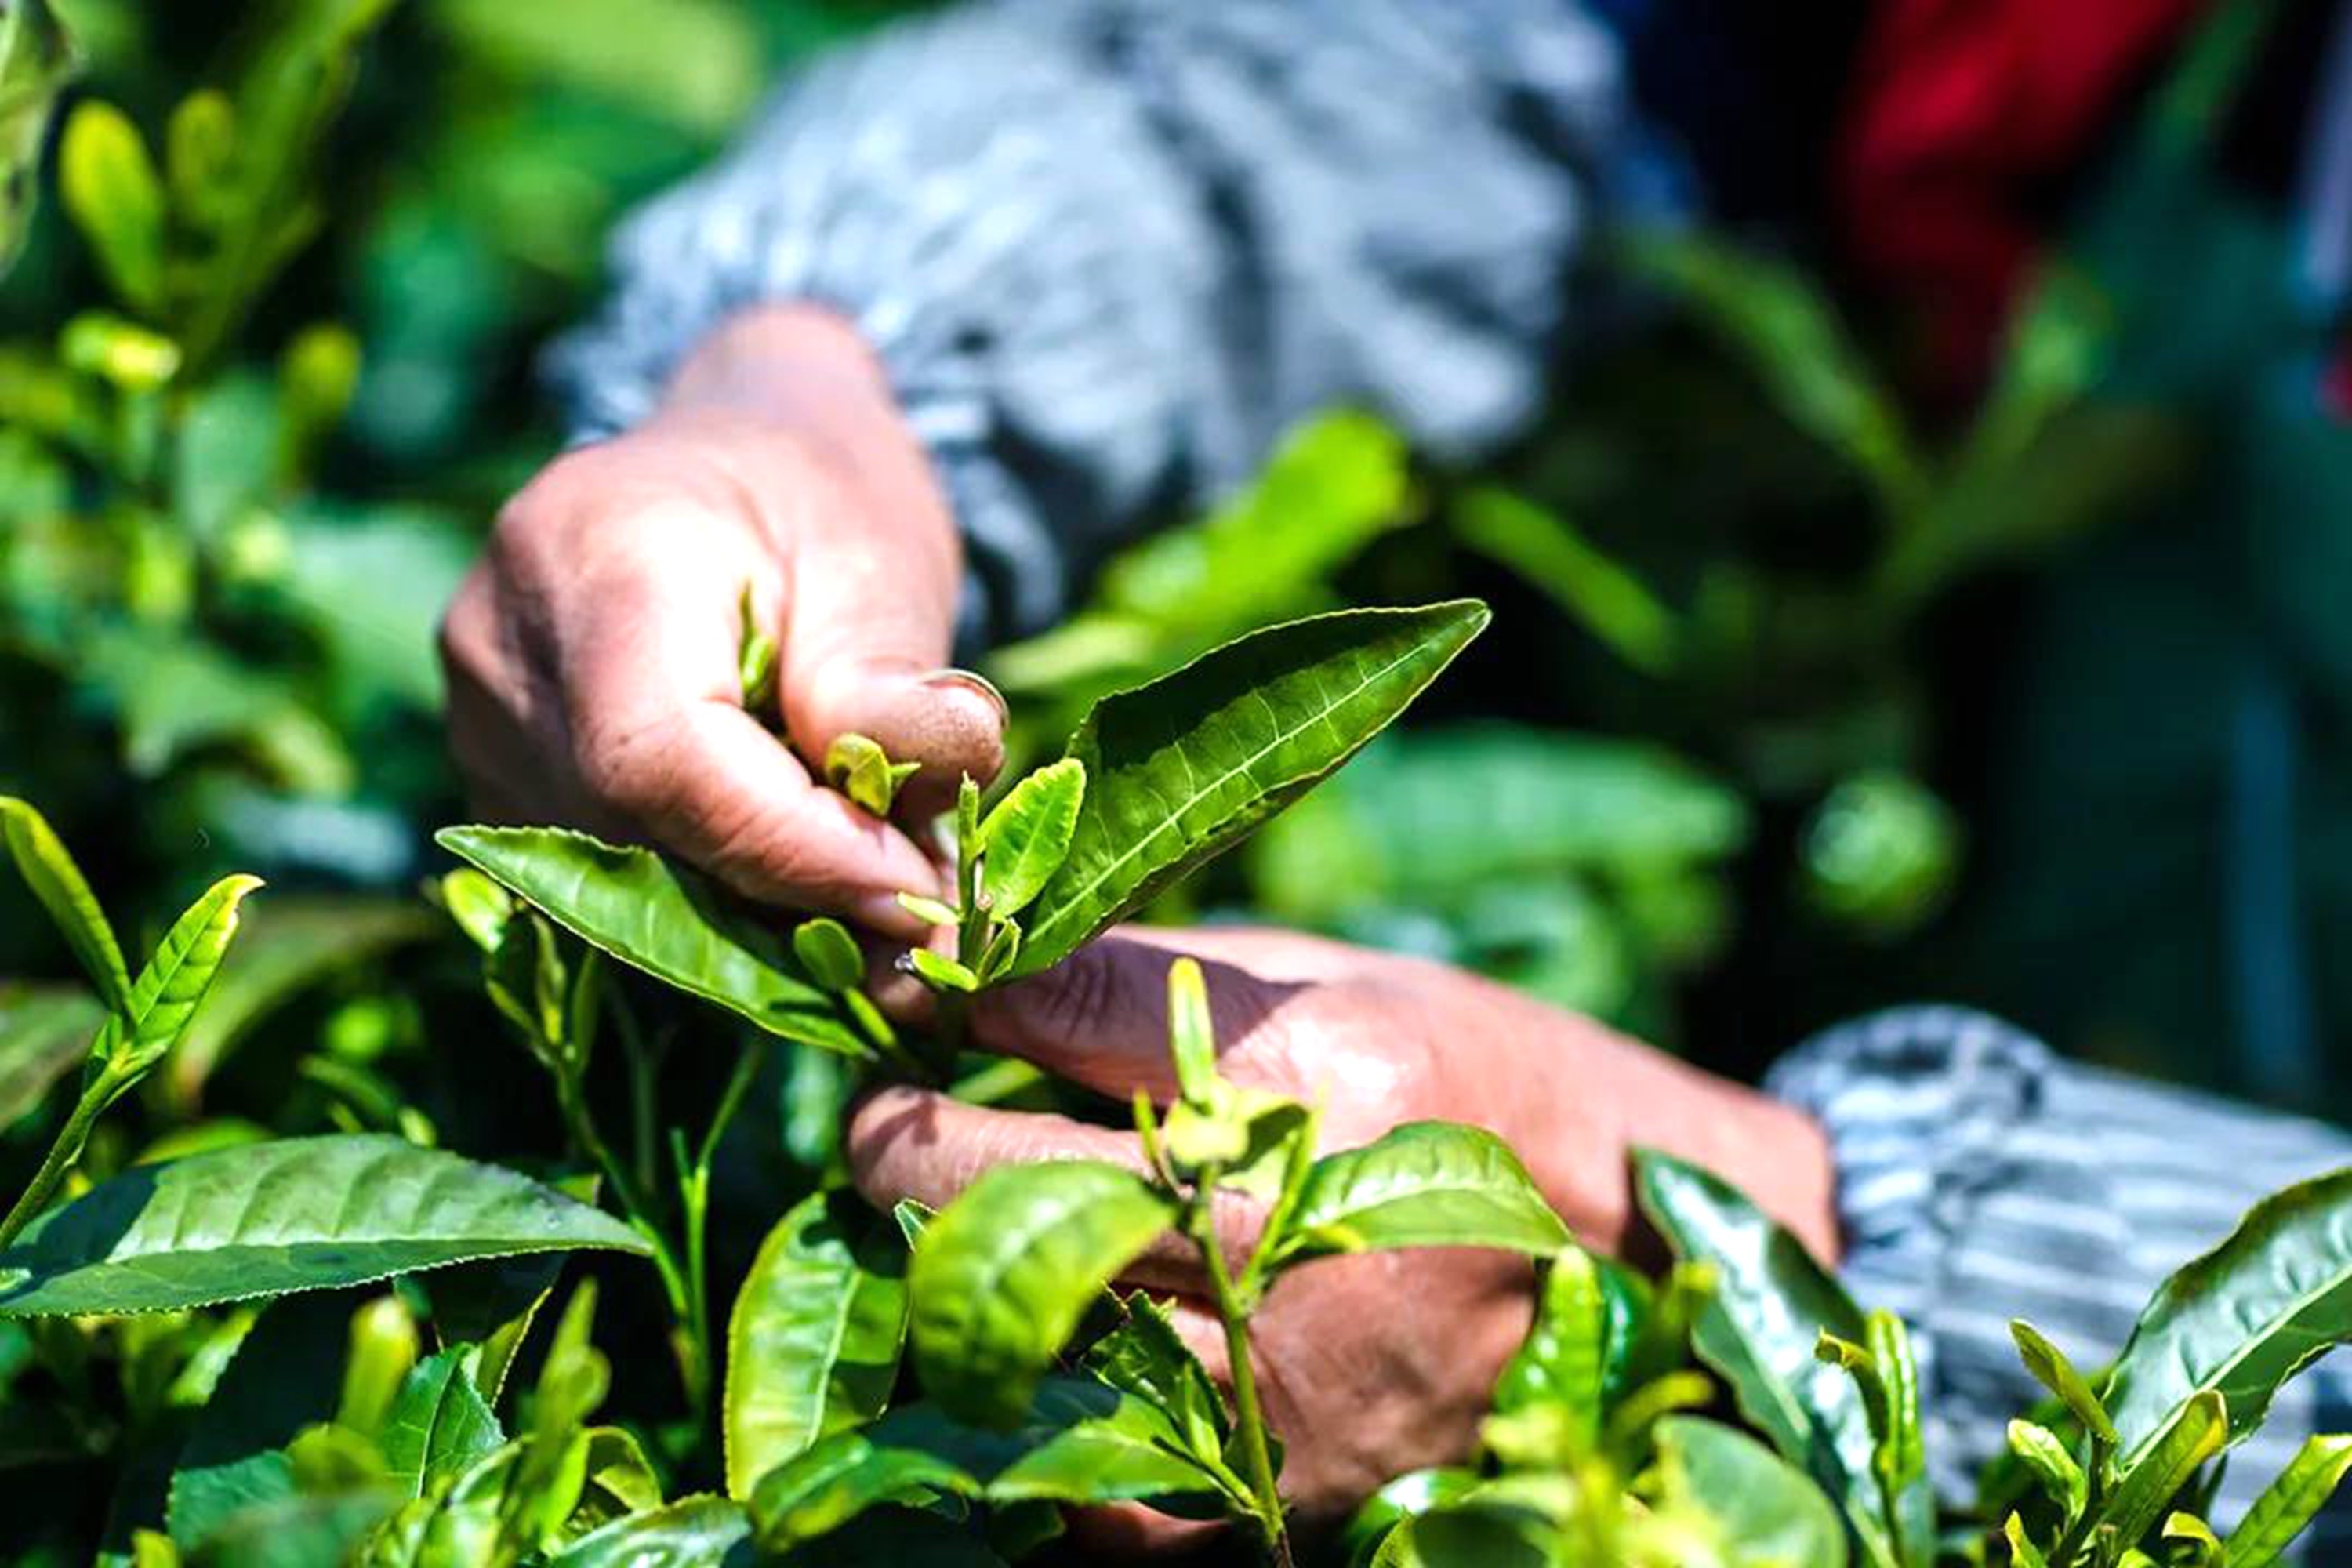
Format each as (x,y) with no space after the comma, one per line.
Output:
(1379,1363)
(591,652)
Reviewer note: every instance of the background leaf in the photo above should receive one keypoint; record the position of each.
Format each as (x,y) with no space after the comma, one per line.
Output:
(1769,1513)
(1181,770)
(45,1033)
(48,870)
(300,1214)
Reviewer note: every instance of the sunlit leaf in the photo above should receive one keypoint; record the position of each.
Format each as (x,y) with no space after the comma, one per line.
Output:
(2289,1502)
(1181,770)
(693,1533)
(302,1214)
(1425,1183)
(49,869)
(1027,836)
(1769,1513)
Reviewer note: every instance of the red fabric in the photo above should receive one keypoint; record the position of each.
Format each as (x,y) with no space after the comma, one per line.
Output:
(1961,110)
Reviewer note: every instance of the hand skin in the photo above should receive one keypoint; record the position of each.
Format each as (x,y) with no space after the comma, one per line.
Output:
(591,652)
(1374,1364)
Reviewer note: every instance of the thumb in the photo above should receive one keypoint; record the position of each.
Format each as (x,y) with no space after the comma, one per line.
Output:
(866,624)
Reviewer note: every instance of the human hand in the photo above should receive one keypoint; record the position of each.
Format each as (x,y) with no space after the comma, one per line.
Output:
(1376,1363)
(591,652)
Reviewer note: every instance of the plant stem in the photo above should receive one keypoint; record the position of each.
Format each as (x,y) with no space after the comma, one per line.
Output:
(692,1371)
(1249,1416)
(64,1149)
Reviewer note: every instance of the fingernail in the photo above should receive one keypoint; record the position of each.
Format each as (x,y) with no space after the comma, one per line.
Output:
(953,679)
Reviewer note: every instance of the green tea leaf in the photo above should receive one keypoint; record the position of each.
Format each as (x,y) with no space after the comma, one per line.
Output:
(1027,837)
(49,871)
(37,60)
(2022,1552)
(829,953)
(1192,1037)
(1758,1331)
(1425,1183)
(1145,1356)
(45,1033)
(2054,1372)
(439,1425)
(2244,1318)
(926,909)
(940,972)
(1075,1442)
(1583,1332)
(662,919)
(1002,1276)
(2164,1465)
(300,1214)
(812,1346)
(1769,1513)
(824,1488)
(692,1532)
(2289,1502)
(280,1379)
(300,1531)
(2041,1451)
(859,768)
(111,188)
(164,998)
(1181,770)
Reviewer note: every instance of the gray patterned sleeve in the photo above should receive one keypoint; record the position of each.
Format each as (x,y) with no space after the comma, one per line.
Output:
(1110,249)
(1981,1178)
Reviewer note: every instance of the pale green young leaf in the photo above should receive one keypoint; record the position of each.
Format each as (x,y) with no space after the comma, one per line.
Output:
(814,1341)
(2023,1550)
(1192,1037)
(299,1214)
(1758,1328)
(2038,1449)
(942,972)
(1767,1511)
(859,768)
(1027,834)
(2191,1542)
(1001,1278)
(2243,1319)
(1579,1328)
(2146,1483)
(1003,953)
(109,186)
(1181,770)
(2054,1372)
(2290,1502)
(1900,1460)
(479,906)
(663,919)
(692,1532)
(164,998)
(926,909)
(49,869)
(1425,1183)
(755,660)
(829,953)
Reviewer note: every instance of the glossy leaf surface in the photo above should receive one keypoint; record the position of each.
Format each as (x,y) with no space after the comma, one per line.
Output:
(439,1424)
(2243,1319)
(1002,1276)
(1181,770)
(2054,1372)
(1425,1183)
(2149,1483)
(2289,1502)
(693,1533)
(660,918)
(1026,838)
(1771,1301)
(813,1345)
(1768,1511)
(299,1214)
(49,873)
(164,998)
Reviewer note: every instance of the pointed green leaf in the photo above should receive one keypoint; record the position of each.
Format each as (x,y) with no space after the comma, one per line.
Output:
(49,871)
(824,1488)
(1425,1183)
(1145,1356)
(813,1345)
(663,919)
(111,187)
(300,1214)
(1027,836)
(829,953)
(1757,1329)
(1589,1316)
(2054,1372)
(37,60)
(1767,1512)
(2039,1450)
(45,1033)
(1001,1278)
(930,911)
(1181,770)
(1075,1442)
(164,998)
(439,1425)
(1192,1037)
(692,1532)
(2243,1319)
(2022,1552)
(2150,1482)
(859,768)
(2289,1502)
